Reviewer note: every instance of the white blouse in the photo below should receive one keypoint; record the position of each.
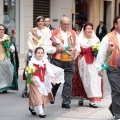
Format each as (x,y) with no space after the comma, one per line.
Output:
(103,50)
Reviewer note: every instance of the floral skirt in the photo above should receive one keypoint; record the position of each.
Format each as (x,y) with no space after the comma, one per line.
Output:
(40,92)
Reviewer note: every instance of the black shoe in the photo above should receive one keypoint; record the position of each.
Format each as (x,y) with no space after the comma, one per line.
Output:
(32,111)
(4,91)
(52,102)
(93,105)
(110,109)
(66,106)
(42,116)
(80,103)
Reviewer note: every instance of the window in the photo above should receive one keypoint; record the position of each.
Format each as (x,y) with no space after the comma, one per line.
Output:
(40,8)
(9,15)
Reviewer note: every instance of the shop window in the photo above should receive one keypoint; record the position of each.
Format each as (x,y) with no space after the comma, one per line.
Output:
(9,16)
(40,7)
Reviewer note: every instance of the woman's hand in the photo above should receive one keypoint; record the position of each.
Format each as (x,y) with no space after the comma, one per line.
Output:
(12,48)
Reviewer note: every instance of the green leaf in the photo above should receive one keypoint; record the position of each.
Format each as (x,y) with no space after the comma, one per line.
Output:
(8,54)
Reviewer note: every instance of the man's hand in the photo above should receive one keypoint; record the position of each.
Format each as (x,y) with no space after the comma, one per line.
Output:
(72,51)
(100,73)
(59,49)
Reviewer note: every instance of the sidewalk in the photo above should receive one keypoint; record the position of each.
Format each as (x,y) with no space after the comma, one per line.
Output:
(87,113)
(77,112)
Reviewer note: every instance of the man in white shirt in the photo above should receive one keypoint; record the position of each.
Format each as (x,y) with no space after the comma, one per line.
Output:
(48,24)
(113,71)
(63,57)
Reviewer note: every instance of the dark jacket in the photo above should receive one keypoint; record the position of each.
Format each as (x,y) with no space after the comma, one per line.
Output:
(103,32)
(51,28)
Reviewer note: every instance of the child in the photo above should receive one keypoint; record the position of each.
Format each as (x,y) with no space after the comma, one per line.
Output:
(40,88)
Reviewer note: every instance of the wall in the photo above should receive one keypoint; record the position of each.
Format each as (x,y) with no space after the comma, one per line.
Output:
(110,14)
(95,11)
(58,8)
(26,23)
(1,11)
(117,7)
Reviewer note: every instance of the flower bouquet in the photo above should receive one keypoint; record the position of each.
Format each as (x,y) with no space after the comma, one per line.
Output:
(6,44)
(95,48)
(29,71)
(109,53)
(56,41)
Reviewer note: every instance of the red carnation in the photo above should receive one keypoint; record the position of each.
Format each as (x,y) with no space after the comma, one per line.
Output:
(111,45)
(52,38)
(13,32)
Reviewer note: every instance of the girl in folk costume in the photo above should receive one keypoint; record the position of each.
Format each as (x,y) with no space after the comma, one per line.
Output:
(90,83)
(40,87)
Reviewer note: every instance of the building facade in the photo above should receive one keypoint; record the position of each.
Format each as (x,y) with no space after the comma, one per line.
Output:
(21,14)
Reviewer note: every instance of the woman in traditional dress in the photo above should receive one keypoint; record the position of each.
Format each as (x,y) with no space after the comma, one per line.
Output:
(40,36)
(40,87)
(90,85)
(8,74)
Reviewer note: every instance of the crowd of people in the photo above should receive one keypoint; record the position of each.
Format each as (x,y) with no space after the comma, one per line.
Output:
(70,54)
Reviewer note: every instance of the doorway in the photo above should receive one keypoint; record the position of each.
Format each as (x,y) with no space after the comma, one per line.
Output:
(81,12)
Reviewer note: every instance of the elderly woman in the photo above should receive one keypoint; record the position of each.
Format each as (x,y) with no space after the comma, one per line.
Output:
(90,83)
(8,74)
